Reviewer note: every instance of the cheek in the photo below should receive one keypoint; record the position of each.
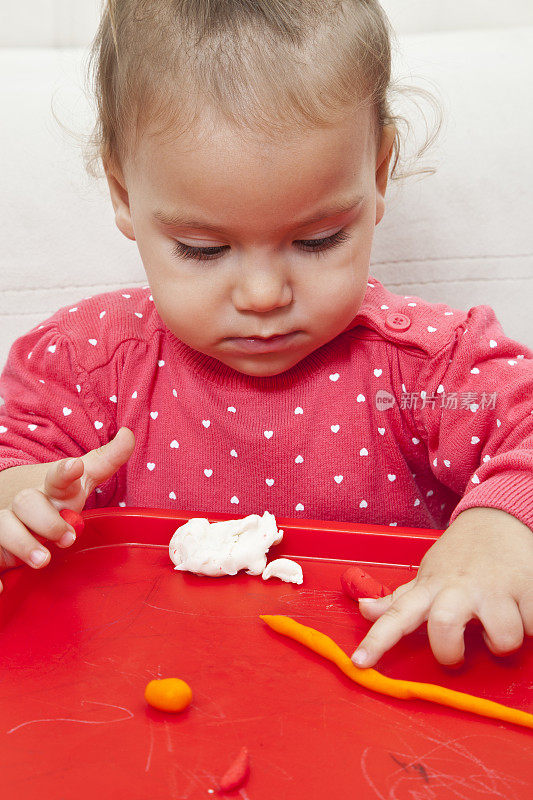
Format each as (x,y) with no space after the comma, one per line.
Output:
(189,304)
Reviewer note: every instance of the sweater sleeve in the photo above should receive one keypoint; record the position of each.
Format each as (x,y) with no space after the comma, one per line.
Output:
(476,409)
(50,410)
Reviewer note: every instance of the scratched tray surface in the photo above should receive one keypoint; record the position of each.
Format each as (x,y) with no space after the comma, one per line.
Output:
(81,639)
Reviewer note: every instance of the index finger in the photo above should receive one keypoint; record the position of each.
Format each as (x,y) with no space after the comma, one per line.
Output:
(403,616)
(60,477)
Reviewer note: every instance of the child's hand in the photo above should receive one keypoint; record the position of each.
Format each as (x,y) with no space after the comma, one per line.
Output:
(481,567)
(36,510)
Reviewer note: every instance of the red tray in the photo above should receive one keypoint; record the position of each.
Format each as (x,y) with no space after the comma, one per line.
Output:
(81,638)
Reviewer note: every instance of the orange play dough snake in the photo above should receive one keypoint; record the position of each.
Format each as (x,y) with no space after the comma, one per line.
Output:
(372,679)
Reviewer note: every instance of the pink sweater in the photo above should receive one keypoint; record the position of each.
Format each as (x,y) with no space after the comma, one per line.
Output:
(414,413)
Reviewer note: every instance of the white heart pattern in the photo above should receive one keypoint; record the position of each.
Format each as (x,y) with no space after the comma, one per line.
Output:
(206,423)
(154,414)
(268,434)
(269,481)
(232,409)
(150,466)
(234,500)
(335,428)
(172,495)
(361,398)
(161,363)
(299,507)
(52,348)
(298,410)
(474,371)
(113,398)
(381,431)
(98,425)
(391,477)
(233,453)
(363,504)
(298,459)
(415,440)
(475,479)
(94,342)
(138,314)
(208,473)
(134,396)
(363,451)
(431,329)
(3,429)
(335,377)
(378,372)
(32,427)
(66,411)
(338,478)
(174,444)
(102,314)
(493,344)
(417,502)
(446,463)
(474,440)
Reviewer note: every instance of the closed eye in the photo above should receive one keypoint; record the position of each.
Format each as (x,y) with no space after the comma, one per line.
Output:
(316,246)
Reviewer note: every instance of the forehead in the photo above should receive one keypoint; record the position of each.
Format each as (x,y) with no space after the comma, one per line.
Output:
(218,169)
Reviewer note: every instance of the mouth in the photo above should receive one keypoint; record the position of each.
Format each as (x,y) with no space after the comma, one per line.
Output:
(263,344)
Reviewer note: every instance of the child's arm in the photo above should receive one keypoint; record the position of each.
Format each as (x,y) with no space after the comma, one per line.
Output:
(476,420)
(57,402)
(32,496)
(481,567)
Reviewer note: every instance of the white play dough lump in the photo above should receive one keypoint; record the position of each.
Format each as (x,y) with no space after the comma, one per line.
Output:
(224,548)
(285,569)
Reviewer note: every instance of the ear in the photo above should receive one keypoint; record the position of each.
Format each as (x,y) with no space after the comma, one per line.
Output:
(388,134)
(120,199)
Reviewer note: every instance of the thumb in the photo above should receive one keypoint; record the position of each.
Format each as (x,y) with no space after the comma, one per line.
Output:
(373,607)
(101,463)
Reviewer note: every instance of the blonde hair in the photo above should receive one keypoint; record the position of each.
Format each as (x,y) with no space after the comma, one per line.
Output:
(264,66)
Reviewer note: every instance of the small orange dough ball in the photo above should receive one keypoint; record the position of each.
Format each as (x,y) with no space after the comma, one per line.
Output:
(168,694)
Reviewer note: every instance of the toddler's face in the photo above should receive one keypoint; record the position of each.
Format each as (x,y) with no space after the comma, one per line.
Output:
(245,260)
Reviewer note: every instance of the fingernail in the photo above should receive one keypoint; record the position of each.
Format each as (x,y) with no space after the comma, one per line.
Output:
(67,539)
(359,657)
(69,464)
(38,557)
(367,599)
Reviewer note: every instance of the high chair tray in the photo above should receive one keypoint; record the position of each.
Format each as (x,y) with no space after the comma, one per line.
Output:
(81,638)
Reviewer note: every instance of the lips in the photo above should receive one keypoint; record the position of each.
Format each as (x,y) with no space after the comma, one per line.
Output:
(265,338)
(262,344)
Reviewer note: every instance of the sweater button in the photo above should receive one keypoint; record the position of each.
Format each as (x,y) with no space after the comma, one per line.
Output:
(397,322)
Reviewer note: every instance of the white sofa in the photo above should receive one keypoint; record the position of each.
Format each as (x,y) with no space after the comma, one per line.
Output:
(463,235)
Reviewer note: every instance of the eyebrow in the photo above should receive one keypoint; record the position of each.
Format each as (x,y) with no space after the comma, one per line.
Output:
(178,218)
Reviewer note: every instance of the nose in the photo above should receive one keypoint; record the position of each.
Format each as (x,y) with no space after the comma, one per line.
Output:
(262,287)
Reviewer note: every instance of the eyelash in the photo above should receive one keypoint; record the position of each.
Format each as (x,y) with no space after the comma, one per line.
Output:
(206,253)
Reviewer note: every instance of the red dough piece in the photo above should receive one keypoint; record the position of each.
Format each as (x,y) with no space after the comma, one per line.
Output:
(76,520)
(236,775)
(358,583)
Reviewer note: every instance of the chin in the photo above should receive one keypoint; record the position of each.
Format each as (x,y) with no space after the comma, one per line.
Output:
(261,367)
